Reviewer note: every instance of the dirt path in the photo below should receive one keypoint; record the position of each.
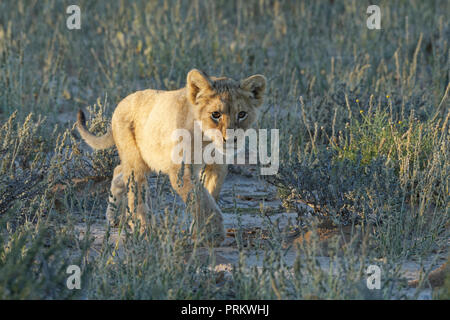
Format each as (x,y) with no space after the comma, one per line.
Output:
(249,205)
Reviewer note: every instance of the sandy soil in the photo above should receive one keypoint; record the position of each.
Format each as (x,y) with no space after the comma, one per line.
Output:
(249,206)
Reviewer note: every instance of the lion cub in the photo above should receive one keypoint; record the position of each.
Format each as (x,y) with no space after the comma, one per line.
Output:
(142,127)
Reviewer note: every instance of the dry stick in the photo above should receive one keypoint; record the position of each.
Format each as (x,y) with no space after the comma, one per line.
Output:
(101,66)
(348,107)
(302,104)
(333,129)
(438,111)
(397,68)
(412,70)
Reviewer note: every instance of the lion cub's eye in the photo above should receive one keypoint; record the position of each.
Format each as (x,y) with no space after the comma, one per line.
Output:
(216,115)
(242,115)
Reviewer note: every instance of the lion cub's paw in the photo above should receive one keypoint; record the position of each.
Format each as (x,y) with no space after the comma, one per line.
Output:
(112,217)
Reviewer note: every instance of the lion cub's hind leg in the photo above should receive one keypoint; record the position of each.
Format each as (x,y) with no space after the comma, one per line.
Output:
(116,197)
(134,169)
(137,191)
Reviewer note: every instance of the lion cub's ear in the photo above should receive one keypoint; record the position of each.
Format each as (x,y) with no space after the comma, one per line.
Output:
(256,85)
(197,82)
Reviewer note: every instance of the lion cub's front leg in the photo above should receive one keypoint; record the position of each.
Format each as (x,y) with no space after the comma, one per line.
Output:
(207,215)
(213,177)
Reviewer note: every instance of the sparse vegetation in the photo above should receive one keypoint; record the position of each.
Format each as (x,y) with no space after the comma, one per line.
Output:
(364,146)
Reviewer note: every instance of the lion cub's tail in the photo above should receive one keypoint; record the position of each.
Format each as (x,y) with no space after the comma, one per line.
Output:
(95,142)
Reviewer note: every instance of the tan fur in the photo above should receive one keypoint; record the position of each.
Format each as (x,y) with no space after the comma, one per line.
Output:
(142,125)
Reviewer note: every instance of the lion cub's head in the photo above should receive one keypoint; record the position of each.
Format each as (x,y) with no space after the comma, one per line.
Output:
(222,103)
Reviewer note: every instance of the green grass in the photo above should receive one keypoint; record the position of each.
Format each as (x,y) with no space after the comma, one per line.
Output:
(364,135)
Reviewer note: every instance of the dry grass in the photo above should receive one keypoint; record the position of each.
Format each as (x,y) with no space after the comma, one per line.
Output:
(364,137)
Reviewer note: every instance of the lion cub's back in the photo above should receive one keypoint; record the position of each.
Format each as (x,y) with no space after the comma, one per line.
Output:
(154,115)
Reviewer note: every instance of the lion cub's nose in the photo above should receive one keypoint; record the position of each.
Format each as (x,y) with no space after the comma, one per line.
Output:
(225,139)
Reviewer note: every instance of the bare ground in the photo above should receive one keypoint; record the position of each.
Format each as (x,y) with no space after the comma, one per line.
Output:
(250,205)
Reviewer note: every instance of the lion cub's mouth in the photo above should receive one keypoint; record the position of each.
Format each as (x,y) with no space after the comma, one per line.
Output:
(233,146)
(228,148)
